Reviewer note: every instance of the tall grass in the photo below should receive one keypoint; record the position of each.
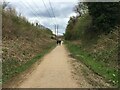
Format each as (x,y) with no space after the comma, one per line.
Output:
(99,67)
(23,43)
(12,68)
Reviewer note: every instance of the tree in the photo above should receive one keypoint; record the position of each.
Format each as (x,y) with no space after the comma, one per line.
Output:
(104,15)
(5,4)
(70,33)
(80,9)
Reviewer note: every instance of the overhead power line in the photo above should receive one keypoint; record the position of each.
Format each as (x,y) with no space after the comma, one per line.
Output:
(27,5)
(56,26)
(46,8)
(49,13)
(35,12)
(52,8)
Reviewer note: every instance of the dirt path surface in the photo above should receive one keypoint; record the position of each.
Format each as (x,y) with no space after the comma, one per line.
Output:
(58,69)
(53,72)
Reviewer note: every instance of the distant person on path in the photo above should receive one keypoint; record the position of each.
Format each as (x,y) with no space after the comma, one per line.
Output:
(61,42)
(58,42)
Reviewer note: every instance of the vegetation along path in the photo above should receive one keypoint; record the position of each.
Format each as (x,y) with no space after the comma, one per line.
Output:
(56,71)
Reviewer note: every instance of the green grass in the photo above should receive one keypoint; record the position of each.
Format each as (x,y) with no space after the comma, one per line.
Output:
(14,71)
(0,80)
(99,67)
(76,31)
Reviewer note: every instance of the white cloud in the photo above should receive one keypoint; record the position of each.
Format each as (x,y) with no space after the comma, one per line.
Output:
(35,11)
(45,0)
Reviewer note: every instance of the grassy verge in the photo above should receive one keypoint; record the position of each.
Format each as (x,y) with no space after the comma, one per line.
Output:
(14,71)
(99,67)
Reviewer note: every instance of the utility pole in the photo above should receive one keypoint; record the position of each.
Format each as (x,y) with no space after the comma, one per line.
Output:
(57,30)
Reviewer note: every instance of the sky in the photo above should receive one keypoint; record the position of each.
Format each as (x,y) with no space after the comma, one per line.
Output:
(40,11)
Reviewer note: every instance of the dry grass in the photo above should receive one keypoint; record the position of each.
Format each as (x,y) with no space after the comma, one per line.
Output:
(21,42)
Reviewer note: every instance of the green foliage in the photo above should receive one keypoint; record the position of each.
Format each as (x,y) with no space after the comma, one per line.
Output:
(69,35)
(99,67)
(76,28)
(94,38)
(103,18)
(105,15)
